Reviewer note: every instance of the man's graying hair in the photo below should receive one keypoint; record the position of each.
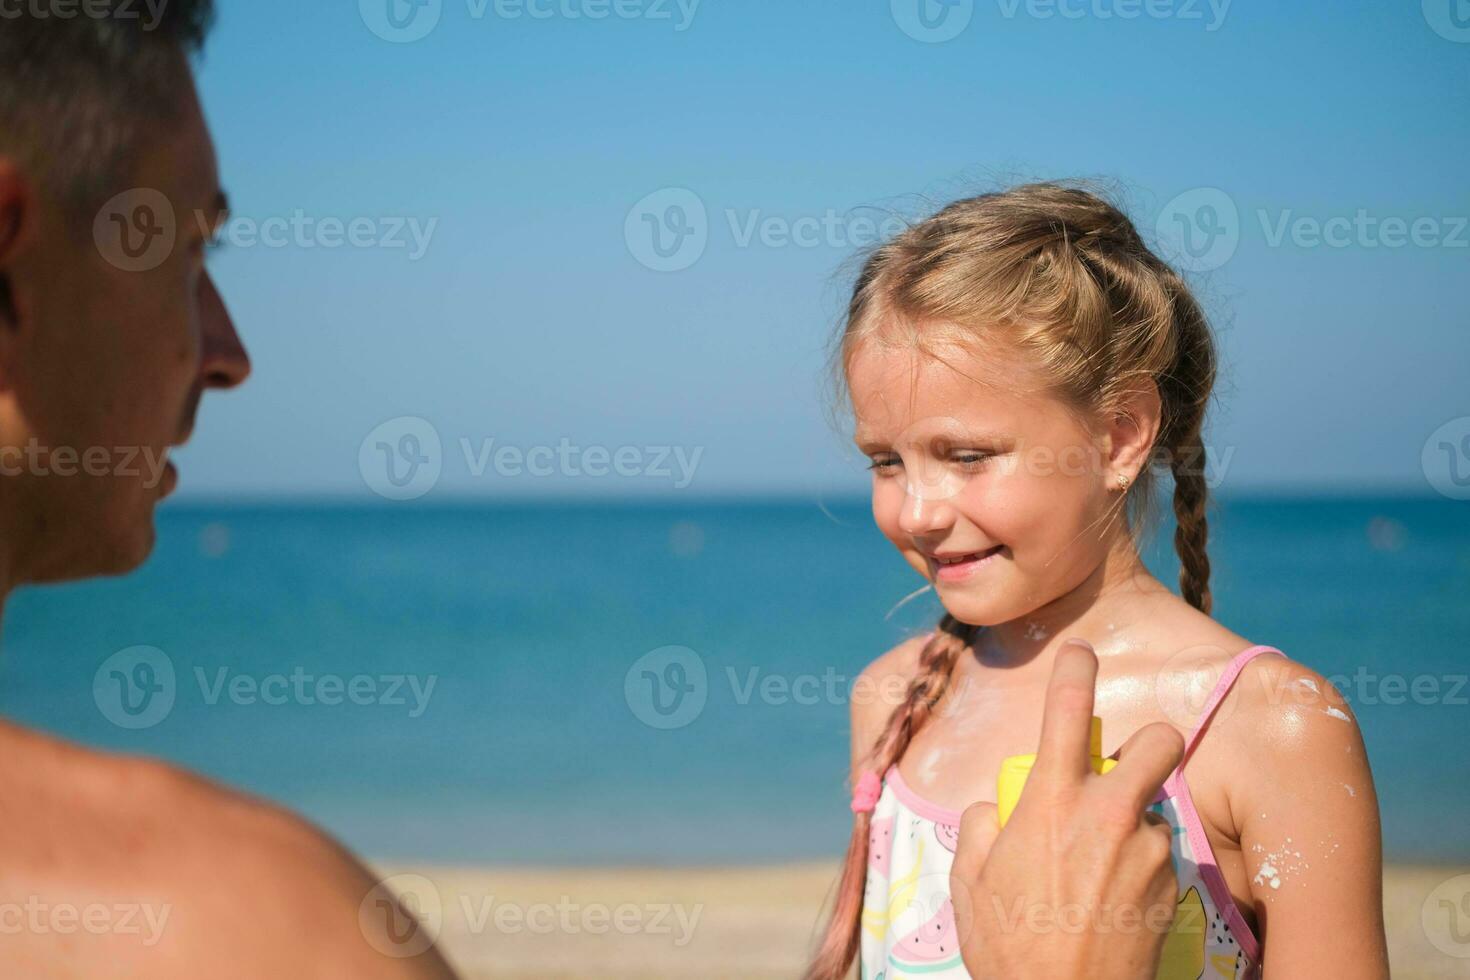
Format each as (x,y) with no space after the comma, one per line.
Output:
(81,82)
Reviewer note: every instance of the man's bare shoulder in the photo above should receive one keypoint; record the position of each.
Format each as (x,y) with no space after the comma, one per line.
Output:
(176,872)
(101,812)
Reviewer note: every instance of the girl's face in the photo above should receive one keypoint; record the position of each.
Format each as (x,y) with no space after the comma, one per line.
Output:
(985,484)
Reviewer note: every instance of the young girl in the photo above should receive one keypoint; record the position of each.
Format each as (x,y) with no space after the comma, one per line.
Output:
(1017,365)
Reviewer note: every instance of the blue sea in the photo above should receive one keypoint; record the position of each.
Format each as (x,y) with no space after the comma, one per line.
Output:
(464,683)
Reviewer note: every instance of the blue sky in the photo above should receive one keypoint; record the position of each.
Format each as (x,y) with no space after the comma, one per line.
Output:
(526,312)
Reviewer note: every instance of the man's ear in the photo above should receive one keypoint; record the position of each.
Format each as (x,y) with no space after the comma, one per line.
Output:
(1133,429)
(18,209)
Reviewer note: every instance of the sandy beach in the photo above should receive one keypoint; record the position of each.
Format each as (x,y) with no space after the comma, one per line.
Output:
(746,922)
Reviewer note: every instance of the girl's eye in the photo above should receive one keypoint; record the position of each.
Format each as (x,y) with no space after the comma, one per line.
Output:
(889,463)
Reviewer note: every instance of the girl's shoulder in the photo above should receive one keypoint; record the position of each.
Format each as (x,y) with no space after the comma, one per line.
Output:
(1280,712)
(1270,701)
(1279,728)
(880,688)
(1181,647)
(1264,681)
(898,664)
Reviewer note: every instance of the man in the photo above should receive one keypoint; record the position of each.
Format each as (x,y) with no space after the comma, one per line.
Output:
(110,331)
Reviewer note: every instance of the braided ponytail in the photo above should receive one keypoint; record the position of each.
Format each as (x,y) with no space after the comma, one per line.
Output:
(1185,391)
(1191,531)
(936,666)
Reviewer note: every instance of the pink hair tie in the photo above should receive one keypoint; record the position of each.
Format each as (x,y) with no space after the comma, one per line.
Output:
(865,793)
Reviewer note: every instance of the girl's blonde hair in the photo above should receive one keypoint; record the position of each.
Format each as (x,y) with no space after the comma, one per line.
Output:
(1060,276)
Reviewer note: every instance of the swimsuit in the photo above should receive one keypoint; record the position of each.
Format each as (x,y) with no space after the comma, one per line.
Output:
(908,927)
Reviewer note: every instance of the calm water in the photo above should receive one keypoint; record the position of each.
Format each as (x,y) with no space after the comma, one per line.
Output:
(527,620)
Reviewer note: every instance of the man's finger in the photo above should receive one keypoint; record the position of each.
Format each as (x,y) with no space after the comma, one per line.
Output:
(978,829)
(1066,721)
(1145,761)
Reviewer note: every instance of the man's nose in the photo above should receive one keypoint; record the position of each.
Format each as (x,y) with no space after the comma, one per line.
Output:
(223,360)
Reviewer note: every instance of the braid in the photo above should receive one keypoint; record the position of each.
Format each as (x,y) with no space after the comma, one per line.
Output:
(1192,530)
(936,666)
(1186,389)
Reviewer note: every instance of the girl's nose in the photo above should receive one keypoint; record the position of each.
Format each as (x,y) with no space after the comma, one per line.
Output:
(923,514)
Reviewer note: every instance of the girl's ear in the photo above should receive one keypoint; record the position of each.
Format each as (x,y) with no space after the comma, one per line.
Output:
(1131,433)
(17,218)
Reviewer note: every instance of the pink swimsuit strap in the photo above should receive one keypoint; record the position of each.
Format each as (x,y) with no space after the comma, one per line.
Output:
(1222,688)
(1177,786)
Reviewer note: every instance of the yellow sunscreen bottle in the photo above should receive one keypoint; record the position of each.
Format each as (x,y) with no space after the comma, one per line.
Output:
(1015,769)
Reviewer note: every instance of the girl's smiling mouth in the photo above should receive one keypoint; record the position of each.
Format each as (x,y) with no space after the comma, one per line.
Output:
(956,566)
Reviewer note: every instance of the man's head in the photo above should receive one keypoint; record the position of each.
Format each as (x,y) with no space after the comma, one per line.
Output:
(110,327)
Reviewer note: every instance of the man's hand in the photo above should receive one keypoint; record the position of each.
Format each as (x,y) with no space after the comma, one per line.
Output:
(1079,883)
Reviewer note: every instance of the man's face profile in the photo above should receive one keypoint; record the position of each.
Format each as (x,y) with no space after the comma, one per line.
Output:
(113,332)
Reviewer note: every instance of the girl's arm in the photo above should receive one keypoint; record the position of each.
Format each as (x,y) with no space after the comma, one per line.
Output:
(1309,829)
